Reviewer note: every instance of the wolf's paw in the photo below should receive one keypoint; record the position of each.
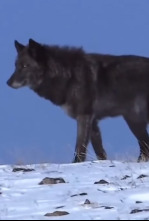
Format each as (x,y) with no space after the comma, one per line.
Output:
(143,158)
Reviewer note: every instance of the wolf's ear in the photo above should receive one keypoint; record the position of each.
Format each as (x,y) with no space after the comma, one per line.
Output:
(19,47)
(34,47)
(33,44)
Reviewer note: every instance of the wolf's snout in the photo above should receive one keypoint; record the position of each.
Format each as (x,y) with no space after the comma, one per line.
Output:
(13,83)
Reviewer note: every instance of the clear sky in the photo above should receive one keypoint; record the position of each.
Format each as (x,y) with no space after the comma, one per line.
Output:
(33,130)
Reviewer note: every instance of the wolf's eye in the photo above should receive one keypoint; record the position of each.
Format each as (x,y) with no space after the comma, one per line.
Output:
(25,65)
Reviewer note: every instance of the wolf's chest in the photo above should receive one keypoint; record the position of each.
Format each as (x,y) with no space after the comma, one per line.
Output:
(68,110)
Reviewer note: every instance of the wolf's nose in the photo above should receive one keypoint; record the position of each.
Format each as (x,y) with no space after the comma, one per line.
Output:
(8,82)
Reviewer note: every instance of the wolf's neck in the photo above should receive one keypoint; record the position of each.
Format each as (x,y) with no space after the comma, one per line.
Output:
(53,90)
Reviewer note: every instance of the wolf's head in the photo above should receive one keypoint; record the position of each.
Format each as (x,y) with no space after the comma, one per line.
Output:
(29,65)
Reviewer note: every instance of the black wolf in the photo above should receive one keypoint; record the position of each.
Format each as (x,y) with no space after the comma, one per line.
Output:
(89,87)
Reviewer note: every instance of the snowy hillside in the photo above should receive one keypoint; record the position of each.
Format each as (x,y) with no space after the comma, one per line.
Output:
(89,191)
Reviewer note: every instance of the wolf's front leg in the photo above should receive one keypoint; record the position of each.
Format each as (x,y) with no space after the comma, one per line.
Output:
(84,126)
(96,141)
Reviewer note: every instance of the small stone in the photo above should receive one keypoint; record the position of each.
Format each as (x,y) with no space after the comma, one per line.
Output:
(101,182)
(87,202)
(48,180)
(109,207)
(80,194)
(83,194)
(59,207)
(17,169)
(136,211)
(125,177)
(57,213)
(142,176)
(139,210)
(74,195)
(138,201)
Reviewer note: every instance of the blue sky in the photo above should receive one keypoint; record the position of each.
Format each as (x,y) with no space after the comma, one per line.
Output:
(33,130)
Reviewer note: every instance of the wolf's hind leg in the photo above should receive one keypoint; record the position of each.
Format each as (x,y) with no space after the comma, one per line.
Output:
(139,129)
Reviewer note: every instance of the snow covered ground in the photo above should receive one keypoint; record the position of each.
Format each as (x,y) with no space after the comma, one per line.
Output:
(108,190)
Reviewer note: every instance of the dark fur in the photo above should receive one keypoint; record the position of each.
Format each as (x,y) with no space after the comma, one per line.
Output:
(90,87)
